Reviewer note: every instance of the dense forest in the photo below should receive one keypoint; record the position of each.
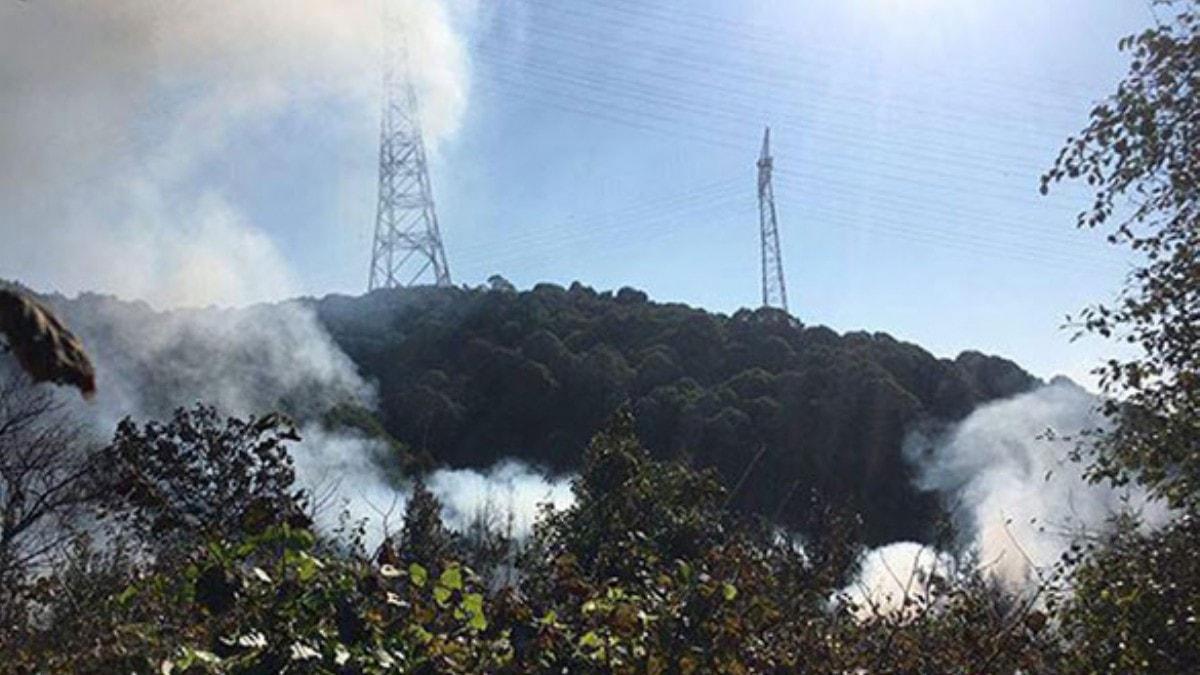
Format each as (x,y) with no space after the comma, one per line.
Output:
(467,377)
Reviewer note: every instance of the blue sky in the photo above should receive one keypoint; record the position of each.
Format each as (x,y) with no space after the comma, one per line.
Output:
(613,142)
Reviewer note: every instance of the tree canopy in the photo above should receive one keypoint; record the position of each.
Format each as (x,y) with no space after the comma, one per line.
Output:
(473,376)
(1140,155)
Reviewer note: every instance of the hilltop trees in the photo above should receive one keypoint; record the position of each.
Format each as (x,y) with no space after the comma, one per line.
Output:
(474,376)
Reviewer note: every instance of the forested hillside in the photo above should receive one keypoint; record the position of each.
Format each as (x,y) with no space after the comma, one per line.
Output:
(465,378)
(473,376)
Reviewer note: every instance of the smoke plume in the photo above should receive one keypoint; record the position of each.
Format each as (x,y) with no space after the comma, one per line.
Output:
(1007,473)
(243,361)
(508,488)
(344,473)
(891,573)
(118,114)
(1017,498)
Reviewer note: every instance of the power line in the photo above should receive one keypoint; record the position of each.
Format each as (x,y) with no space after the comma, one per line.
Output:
(640,15)
(613,240)
(625,118)
(701,200)
(586,103)
(814,187)
(781,79)
(728,109)
(864,169)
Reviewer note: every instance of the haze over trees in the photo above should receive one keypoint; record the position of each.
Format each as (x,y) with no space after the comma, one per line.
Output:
(470,377)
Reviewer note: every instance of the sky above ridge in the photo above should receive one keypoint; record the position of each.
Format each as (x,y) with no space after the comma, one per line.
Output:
(212,153)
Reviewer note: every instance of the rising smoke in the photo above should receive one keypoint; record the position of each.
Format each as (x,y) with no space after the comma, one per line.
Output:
(344,473)
(1017,498)
(108,149)
(113,139)
(891,573)
(253,360)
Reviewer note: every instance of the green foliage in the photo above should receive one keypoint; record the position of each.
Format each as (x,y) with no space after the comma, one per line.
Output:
(472,377)
(199,476)
(423,539)
(1134,595)
(270,605)
(1139,155)
(647,572)
(1134,603)
(631,510)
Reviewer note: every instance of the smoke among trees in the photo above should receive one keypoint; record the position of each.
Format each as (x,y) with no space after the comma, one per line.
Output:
(729,473)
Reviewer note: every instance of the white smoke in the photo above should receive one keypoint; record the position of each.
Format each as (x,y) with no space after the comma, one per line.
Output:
(115,115)
(244,361)
(1016,491)
(253,360)
(894,573)
(1017,497)
(344,474)
(115,118)
(509,488)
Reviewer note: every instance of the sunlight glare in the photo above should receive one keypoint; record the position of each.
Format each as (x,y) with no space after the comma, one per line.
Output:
(910,22)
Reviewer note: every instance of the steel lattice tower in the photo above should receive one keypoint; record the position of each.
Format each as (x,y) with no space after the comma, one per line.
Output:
(774,293)
(408,245)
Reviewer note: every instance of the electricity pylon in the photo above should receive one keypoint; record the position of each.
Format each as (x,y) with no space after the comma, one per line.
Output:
(774,293)
(407,249)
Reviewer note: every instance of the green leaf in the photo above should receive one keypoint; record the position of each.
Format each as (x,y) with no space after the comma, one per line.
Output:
(127,594)
(591,640)
(441,594)
(685,571)
(306,567)
(452,578)
(423,636)
(193,656)
(418,574)
(472,604)
(730,591)
(301,539)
